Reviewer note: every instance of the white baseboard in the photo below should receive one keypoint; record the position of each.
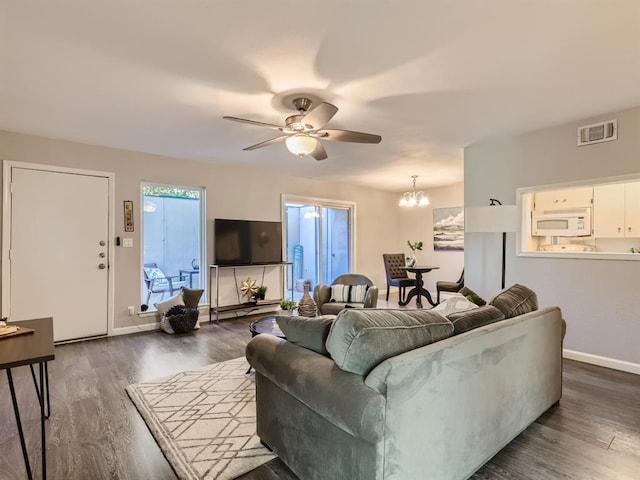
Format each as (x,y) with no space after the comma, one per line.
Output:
(602,361)
(147,327)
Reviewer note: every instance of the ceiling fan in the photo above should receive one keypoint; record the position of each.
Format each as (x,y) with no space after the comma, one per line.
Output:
(303,132)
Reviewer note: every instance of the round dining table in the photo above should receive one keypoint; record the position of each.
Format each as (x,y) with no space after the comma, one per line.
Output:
(418,291)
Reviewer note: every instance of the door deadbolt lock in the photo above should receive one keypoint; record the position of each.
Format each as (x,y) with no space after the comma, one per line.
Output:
(102,266)
(102,243)
(101,255)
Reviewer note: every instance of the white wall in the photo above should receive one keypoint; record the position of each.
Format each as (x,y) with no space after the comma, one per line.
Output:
(598,298)
(232,192)
(416,224)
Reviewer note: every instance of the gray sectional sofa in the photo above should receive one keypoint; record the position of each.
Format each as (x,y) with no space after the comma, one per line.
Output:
(397,395)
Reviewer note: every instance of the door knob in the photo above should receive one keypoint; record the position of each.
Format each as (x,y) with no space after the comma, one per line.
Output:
(102,243)
(101,254)
(102,266)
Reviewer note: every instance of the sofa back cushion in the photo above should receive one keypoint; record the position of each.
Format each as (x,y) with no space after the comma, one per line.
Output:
(472,296)
(515,300)
(308,332)
(477,317)
(361,339)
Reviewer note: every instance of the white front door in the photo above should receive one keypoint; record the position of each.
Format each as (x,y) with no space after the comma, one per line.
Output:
(58,257)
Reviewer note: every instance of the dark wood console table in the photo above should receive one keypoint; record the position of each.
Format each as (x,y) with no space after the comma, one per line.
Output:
(418,291)
(29,349)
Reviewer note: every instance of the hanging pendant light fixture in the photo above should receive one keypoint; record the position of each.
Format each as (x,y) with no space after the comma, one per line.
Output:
(413,198)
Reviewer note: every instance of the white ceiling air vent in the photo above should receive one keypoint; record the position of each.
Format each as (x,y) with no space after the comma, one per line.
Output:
(598,132)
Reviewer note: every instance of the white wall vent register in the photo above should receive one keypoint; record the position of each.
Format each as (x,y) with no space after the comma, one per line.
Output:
(598,132)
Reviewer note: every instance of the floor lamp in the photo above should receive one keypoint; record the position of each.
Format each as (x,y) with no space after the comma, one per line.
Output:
(493,218)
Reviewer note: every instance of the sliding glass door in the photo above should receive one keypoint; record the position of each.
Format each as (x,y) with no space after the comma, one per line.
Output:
(319,240)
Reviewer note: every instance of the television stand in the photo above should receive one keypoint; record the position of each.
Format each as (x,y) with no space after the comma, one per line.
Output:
(214,274)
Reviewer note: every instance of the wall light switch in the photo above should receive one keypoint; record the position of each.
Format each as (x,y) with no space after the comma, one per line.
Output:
(127,242)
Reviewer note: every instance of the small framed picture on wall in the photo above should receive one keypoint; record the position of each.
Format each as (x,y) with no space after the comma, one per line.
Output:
(128,216)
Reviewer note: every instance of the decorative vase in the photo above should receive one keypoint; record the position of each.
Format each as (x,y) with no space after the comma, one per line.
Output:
(411,261)
(307,307)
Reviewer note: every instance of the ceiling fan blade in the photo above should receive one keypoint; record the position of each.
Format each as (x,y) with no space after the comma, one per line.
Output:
(318,117)
(319,153)
(349,136)
(267,142)
(253,122)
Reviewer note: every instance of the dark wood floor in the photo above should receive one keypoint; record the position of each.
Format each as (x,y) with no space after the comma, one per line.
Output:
(96,433)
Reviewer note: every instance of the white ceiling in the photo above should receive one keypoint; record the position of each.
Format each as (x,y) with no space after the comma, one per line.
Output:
(429,76)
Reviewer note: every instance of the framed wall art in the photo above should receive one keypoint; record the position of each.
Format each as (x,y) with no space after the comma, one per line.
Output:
(448,229)
(128,216)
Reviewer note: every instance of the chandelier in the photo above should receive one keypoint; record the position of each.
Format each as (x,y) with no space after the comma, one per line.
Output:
(413,198)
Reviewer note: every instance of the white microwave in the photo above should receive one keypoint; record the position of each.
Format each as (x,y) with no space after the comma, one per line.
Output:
(574,222)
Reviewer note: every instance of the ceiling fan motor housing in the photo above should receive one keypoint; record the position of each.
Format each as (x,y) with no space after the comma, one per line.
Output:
(302,104)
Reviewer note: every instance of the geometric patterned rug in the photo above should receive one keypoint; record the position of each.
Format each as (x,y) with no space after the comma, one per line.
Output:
(204,420)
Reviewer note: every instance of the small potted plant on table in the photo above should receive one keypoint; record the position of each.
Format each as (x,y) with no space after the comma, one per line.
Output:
(261,293)
(288,306)
(411,261)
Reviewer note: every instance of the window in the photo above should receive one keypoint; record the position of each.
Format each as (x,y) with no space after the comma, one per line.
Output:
(319,240)
(173,240)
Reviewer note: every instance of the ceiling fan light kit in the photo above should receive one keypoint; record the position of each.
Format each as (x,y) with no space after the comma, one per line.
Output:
(413,198)
(301,144)
(302,132)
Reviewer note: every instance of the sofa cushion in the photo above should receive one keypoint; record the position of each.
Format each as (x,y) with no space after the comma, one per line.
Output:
(515,300)
(360,339)
(334,308)
(477,317)
(472,296)
(307,332)
(457,303)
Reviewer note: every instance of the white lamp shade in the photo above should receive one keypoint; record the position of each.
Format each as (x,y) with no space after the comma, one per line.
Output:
(493,218)
(301,145)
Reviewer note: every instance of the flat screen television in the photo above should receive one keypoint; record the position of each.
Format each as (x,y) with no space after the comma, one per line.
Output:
(247,242)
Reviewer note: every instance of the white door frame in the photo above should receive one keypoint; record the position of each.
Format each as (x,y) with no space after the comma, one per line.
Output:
(7,165)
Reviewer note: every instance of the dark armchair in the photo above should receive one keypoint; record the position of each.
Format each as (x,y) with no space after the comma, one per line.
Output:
(396,274)
(157,282)
(444,286)
(322,295)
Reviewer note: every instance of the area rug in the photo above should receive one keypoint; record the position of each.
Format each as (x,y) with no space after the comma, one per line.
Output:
(204,420)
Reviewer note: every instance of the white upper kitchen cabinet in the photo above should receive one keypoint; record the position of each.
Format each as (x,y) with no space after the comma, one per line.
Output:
(563,199)
(632,209)
(616,210)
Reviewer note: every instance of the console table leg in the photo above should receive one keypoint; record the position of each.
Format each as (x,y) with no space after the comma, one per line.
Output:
(42,419)
(20,432)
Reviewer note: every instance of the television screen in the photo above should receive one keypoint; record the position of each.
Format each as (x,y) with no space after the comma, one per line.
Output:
(246,242)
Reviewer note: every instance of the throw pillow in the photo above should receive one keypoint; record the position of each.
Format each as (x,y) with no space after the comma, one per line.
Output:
(360,339)
(310,333)
(515,300)
(155,274)
(474,318)
(472,296)
(163,308)
(453,305)
(340,293)
(165,305)
(191,297)
(182,318)
(358,293)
